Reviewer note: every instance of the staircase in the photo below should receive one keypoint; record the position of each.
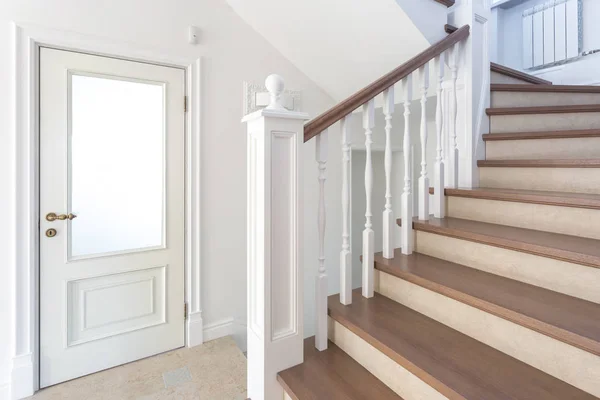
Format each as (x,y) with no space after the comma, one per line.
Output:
(501,298)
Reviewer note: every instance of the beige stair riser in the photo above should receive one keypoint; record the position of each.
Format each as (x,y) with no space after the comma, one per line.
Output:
(574,221)
(560,276)
(544,122)
(541,149)
(286,396)
(535,99)
(572,365)
(576,180)
(495,77)
(403,382)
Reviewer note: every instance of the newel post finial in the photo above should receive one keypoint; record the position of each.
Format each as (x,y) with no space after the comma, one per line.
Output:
(275,85)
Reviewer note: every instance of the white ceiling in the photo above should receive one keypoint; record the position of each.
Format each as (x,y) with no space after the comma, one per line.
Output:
(343,45)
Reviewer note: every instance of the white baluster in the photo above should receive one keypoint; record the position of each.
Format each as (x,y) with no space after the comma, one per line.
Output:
(407,209)
(453,150)
(368,252)
(424,179)
(438,186)
(321,292)
(345,254)
(388,214)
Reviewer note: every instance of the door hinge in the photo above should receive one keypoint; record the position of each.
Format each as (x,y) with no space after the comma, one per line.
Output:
(185,314)
(184,104)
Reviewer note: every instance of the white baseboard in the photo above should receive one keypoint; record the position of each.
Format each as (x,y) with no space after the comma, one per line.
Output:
(194,330)
(22,377)
(218,329)
(4,391)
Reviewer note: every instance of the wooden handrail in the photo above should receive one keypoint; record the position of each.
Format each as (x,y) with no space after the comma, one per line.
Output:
(337,112)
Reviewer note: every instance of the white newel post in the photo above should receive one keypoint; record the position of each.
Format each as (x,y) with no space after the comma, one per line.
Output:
(368,262)
(274,243)
(346,253)
(388,215)
(438,186)
(474,82)
(407,200)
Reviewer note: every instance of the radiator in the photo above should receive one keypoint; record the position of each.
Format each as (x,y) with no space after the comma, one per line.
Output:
(552,33)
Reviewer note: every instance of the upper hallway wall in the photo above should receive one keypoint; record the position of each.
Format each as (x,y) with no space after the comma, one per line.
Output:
(343,45)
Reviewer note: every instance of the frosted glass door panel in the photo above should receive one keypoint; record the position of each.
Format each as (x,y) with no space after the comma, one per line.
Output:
(116,171)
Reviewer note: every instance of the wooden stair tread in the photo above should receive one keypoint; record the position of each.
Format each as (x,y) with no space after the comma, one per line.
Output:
(447,3)
(569,163)
(568,248)
(565,199)
(332,374)
(501,69)
(454,364)
(583,108)
(542,135)
(565,318)
(503,87)
(450,28)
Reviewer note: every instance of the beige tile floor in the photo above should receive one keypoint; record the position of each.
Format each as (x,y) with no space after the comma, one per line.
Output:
(217,369)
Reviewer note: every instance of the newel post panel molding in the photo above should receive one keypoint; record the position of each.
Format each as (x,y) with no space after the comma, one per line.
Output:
(474,83)
(274,248)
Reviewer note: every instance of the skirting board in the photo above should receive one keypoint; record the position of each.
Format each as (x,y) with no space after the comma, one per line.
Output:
(218,329)
(227,327)
(21,376)
(4,391)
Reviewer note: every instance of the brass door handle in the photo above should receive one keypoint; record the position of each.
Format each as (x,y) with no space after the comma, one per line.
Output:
(61,217)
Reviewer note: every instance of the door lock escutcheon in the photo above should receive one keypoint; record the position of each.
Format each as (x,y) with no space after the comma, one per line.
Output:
(51,232)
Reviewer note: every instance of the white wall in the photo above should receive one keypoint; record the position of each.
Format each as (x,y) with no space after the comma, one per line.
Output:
(344,45)
(232,53)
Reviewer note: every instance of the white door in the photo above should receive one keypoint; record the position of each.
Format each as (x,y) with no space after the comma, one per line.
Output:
(111,212)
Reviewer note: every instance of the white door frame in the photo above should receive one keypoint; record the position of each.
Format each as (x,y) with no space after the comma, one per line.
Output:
(23,189)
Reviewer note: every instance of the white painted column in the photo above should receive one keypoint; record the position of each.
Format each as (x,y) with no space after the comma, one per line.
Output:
(424,179)
(407,200)
(368,254)
(388,215)
(346,253)
(474,86)
(439,199)
(274,243)
(321,292)
(453,147)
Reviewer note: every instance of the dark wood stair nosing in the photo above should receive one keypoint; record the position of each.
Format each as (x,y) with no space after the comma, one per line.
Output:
(580,133)
(533,197)
(550,163)
(450,28)
(447,3)
(513,73)
(510,244)
(509,87)
(519,318)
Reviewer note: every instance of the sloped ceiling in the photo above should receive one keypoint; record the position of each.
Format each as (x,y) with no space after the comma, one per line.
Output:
(343,45)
